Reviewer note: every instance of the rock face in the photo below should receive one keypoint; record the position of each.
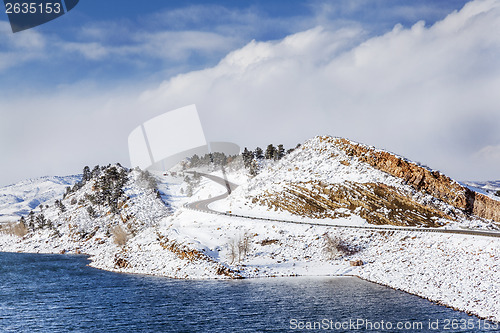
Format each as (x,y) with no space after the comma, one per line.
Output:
(378,204)
(422,179)
(336,178)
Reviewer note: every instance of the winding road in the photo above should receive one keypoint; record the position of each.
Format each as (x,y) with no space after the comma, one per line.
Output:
(203,206)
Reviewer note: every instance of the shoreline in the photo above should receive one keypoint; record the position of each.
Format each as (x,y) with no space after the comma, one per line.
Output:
(293,276)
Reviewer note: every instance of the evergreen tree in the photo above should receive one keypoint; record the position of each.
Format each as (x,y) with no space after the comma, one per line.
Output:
(96,171)
(60,205)
(270,152)
(22,221)
(195,161)
(31,219)
(254,168)
(86,174)
(258,153)
(41,221)
(247,157)
(189,190)
(280,152)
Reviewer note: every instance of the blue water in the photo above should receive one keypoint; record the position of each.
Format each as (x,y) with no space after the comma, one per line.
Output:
(59,293)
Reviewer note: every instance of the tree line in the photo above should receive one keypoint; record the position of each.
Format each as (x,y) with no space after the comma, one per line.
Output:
(251,158)
(216,158)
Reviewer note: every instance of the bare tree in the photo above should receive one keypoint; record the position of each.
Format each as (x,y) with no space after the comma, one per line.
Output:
(239,247)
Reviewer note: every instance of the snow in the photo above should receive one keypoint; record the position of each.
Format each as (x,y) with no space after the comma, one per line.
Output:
(461,272)
(19,199)
(313,162)
(488,188)
(169,240)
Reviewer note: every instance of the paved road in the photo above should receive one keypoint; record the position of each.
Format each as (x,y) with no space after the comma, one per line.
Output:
(202,206)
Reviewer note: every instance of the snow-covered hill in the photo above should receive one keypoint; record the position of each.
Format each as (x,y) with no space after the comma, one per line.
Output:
(337,178)
(131,221)
(19,199)
(489,188)
(118,217)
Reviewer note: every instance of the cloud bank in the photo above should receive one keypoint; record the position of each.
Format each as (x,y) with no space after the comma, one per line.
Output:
(426,92)
(429,93)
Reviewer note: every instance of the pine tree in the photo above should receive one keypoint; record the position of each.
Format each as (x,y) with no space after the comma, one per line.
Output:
(270,152)
(247,157)
(96,171)
(195,161)
(31,219)
(60,205)
(281,152)
(41,221)
(189,190)
(258,153)
(254,168)
(86,174)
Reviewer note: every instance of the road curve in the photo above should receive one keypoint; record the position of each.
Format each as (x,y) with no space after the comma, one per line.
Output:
(202,206)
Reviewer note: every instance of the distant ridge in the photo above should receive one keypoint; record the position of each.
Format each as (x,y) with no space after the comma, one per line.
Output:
(20,198)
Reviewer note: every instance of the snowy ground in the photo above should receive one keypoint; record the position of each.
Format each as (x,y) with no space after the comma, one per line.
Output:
(462,272)
(458,271)
(19,199)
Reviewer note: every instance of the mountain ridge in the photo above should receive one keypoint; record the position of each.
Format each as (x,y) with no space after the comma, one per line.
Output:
(327,176)
(433,182)
(130,221)
(20,198)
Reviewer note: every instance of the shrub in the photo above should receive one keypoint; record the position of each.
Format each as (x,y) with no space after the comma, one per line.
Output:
(120,236)
(335,247)
(91,211)
(16,229)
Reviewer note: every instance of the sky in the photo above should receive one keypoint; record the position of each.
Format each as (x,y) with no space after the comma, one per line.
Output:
(418,78)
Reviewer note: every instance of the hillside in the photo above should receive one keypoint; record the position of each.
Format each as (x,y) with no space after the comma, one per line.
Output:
(336,178)
(110,210)
(132,221)
(19,199)
(488,188)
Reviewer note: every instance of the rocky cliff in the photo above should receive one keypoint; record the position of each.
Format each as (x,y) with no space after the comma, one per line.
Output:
(423,179)
(334,177)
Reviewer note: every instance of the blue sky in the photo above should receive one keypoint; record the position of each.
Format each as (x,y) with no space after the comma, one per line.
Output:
(91,42)
(415,77)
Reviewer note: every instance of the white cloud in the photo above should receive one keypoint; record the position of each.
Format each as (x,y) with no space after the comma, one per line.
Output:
(417,91)
(163,45)
(181,44)
(490,153)
(20,48)
(427,92)
(92,51)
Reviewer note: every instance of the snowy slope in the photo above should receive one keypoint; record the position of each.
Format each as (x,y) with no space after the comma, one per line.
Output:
(146,234)
(19,199)
(322,180)
(489,188)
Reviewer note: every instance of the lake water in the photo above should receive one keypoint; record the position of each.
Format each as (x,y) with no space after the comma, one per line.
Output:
(59,293)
